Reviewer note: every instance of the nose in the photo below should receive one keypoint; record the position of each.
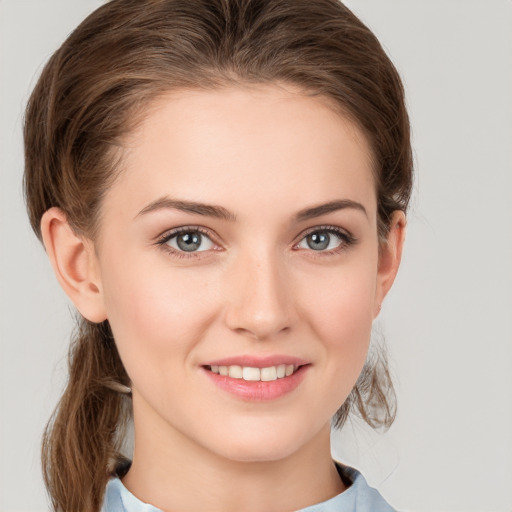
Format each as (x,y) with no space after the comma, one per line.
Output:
(258,302)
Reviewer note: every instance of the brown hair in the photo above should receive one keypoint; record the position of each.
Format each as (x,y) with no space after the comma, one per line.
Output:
(94,90)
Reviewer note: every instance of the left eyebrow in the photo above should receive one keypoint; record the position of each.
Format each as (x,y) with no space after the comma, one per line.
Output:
(332,206)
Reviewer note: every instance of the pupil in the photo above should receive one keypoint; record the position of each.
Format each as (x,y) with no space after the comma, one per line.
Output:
(189,241)
(318,241)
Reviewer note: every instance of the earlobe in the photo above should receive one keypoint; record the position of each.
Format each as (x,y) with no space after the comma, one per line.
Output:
(390,257)
(75,264)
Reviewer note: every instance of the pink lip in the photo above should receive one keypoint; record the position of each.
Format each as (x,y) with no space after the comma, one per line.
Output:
(258,390)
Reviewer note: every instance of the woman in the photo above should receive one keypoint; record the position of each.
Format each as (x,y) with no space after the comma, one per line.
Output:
(221,188)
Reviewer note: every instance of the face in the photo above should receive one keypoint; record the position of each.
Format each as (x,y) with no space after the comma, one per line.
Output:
(241,238)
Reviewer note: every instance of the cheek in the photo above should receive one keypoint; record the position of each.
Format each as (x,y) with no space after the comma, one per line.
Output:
(155,314)
(341,302)
(340,311)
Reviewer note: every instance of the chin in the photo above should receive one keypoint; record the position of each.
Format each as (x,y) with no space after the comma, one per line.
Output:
(250,453)
(263,443)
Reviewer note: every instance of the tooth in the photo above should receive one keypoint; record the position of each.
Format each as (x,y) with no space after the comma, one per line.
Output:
(281,371)
(235,372)
(289,369)
(268,374)
(251,373)
(214,369)
(223,370)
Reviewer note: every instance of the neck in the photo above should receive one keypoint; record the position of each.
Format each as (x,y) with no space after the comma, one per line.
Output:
(172,473)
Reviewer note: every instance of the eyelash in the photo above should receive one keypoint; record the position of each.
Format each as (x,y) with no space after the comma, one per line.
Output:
(162,241)
(347,240)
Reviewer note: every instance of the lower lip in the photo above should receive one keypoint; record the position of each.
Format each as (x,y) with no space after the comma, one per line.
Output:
(258,390)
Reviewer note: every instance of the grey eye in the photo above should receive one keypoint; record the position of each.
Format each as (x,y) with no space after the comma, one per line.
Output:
(321,240)
(318,241)
(190,241)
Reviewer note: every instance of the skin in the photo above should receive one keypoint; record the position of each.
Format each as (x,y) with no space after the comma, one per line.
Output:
(255,287)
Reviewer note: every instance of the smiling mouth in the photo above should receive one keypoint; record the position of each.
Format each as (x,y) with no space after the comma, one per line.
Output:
(251,374)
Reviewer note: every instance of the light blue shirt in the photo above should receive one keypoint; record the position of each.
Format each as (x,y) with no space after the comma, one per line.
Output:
(359,497)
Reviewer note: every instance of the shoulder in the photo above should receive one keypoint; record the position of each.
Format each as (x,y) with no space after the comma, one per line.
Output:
(119,499)
(366,497)
(359,497)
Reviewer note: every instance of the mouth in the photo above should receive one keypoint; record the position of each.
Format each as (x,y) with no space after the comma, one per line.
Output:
(257,380)
(253,374)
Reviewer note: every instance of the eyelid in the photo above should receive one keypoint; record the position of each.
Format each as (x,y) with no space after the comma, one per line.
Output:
(167,235)
(346,236)
(327,227)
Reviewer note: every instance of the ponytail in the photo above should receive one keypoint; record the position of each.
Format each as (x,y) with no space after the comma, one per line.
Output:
(373,396)
(82,441)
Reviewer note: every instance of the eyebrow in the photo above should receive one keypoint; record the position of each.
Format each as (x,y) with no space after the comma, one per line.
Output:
(208,210)
(332,206)
(219,212)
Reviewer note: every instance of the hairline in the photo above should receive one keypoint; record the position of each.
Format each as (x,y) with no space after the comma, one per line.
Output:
(221,82)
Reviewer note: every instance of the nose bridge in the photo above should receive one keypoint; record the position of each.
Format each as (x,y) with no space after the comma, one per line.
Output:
(258,302)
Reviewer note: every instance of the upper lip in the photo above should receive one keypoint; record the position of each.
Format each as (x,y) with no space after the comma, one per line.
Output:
(257,361)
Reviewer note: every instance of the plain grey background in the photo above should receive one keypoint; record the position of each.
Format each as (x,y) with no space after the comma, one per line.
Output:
(447,321)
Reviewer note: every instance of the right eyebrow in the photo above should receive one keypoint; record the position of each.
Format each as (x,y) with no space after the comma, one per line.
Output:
(208,210)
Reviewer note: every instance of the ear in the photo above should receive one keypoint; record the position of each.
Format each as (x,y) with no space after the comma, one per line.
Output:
(390,255)
(75,264)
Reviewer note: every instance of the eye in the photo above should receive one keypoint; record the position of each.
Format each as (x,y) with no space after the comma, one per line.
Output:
(326,240)
(187,240)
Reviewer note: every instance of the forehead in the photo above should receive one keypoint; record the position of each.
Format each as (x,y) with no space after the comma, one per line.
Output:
(246,148)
